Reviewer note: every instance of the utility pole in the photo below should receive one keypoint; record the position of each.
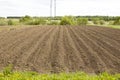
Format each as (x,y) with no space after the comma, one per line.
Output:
(51,8)
(54,8)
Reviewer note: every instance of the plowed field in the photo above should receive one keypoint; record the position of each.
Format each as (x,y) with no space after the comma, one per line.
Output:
(54,49)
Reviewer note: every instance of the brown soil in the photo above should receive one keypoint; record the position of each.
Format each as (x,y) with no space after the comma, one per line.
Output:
(54,49)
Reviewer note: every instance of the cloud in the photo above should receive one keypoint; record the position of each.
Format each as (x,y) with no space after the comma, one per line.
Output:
(89,7)
(64,7)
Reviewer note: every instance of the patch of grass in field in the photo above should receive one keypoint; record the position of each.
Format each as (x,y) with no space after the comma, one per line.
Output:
(114,26)
(109,26)
(60,76)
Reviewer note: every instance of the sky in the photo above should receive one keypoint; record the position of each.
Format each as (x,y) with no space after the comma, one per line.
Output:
(64,7)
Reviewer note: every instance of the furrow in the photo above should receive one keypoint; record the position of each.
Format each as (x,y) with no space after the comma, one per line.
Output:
(102,52)
(95,62)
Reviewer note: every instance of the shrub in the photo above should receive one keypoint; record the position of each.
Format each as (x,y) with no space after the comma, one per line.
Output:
(82,21)
(102,22)
(67,20)
(117,21)
(10,22)
(26,20)
(38,21)
(96,20)
(3,22)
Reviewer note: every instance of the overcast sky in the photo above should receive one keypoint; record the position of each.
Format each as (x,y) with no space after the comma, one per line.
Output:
(64,7)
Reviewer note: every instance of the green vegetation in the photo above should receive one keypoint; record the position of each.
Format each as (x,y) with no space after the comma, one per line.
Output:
(53,22)
(67,20)
(59,20)
(60,76)
(12,22)
(8,70)
(8,74)
(3,22)
(37,21)
(114,26)
(102,22)
(26,19)
(117,21)
(82,21)
(96,20)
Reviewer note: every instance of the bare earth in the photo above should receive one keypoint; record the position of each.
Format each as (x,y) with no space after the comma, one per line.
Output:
(54,49)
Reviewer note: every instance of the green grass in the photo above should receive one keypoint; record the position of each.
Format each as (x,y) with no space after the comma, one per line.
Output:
(114,26)
(60,76)
(109,26)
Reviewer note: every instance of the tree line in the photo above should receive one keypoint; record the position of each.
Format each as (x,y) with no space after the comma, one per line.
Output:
(60,20)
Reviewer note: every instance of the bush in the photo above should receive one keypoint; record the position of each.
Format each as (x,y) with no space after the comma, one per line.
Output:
(67,20)
(96,20)
(32,21)
(117,21)
(38,21)
(82,21)
(102,22)
(3,22)
(10,22)
(26,20)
